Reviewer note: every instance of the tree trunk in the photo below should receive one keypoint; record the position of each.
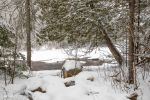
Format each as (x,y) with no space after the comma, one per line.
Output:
(131,41)
(137,38)
(28,33)
(14,57)
(111,46)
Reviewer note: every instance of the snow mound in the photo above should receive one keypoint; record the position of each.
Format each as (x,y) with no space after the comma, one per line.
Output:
(71,64)
(15,88)
(40,96)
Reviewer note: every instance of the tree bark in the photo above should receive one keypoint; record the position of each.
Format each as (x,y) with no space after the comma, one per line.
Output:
(14,57)
(28,33)
(111,46)
(131,41)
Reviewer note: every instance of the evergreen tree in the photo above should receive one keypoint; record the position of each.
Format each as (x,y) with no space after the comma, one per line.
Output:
(77,21)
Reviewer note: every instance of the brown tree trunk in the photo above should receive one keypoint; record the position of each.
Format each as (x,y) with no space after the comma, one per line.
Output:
(131,41)
(14,58)
(28,33)
(137,38)
(111,46)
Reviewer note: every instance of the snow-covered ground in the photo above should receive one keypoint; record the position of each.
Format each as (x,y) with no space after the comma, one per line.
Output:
(54,55)
(93,83)
(53,84)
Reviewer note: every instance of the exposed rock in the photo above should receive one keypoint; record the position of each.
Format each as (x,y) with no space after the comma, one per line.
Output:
(70,83)
(71,68)
(71,72)
(133,96)
(39,89)
(91,78)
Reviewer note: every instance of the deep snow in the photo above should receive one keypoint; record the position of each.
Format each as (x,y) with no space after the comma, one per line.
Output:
(101,88)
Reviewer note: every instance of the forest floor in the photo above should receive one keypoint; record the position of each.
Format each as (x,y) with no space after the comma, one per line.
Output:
(95,82)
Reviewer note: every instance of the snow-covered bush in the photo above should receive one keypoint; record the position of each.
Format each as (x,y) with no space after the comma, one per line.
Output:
(11,61)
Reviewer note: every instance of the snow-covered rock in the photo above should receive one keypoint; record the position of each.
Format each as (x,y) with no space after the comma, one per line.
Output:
(71,64)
